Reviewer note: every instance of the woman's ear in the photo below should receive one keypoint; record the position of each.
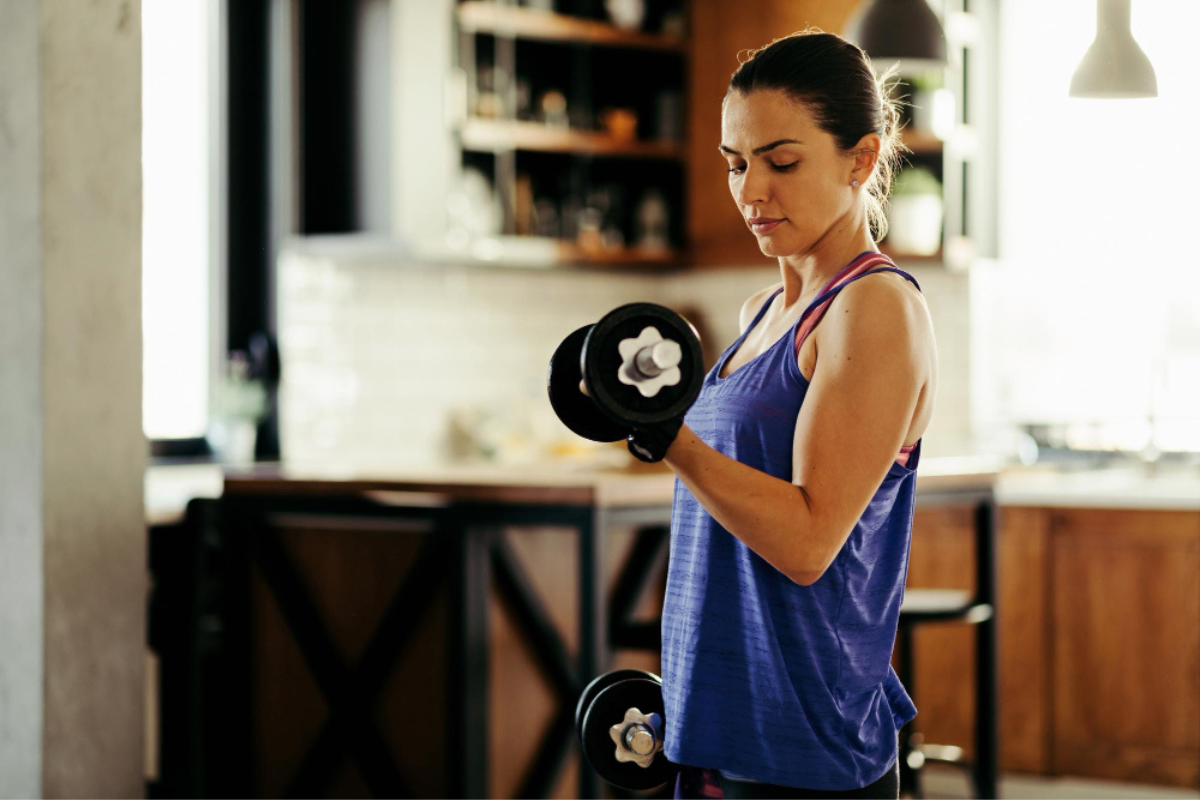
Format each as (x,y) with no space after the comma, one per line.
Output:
(866,155)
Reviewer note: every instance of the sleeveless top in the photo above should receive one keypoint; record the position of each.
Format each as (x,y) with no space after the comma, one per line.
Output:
(763,678)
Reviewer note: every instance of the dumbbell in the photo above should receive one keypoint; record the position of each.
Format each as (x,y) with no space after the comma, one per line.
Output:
(641,364)
(621,727)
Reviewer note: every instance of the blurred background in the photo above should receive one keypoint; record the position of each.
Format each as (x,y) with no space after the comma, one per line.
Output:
(294,249)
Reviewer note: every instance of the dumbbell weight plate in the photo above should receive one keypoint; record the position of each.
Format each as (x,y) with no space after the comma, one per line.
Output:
(598,685)
(623,403)
(609,709)
(573,407)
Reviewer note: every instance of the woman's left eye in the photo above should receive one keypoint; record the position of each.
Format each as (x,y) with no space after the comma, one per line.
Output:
(784,167)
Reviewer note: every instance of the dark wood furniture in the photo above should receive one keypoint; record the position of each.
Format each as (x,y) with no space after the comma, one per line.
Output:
(422,633)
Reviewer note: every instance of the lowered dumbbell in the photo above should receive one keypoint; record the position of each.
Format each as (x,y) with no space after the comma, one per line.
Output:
(641,365)
(621,727)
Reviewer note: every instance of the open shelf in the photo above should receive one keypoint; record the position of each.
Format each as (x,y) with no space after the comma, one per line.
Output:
(478,16)
(541,252)
(488,134)
(898,256)
(571,253)
(921,142)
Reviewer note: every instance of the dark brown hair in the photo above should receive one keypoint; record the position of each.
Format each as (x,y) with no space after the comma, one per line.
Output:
(834,79)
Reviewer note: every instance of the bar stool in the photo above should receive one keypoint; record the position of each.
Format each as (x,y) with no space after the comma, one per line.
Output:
(922,606)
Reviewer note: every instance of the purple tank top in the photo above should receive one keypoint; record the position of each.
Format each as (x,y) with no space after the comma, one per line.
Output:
(765,679)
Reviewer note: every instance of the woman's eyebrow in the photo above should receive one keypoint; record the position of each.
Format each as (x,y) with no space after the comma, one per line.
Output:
(758,151)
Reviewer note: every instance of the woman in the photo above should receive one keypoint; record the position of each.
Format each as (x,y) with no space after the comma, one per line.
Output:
(796,466)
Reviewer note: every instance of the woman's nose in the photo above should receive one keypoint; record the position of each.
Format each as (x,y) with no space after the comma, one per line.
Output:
(754,187)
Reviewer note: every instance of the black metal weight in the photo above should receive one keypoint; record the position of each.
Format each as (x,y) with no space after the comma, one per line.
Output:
(573,407)
(606,353)
(598,685)
(625,721)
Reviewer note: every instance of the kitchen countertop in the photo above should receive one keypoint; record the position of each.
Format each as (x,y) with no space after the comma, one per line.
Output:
(1171,489)
(168,487)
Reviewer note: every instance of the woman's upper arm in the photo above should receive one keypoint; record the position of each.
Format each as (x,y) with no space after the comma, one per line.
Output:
(858,408)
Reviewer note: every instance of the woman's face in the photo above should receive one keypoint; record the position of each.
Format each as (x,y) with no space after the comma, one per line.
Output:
(782,166)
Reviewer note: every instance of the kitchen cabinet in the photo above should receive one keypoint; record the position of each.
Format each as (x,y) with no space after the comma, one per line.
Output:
(716,233)
(1125,644)
(1099,641)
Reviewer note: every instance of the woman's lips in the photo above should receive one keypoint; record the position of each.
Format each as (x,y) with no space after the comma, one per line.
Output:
(764,225)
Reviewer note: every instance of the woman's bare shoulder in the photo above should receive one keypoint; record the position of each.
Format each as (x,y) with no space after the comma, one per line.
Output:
(753,304)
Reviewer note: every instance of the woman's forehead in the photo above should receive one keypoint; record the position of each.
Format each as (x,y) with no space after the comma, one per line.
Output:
(764,116)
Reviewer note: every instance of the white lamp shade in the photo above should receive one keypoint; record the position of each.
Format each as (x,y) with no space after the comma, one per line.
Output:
(1114,66)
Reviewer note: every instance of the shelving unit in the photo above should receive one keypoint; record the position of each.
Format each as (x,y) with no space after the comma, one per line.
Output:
(479,16)
(534,89)
(489,116)
(960,162)
(922,142)
(500,135)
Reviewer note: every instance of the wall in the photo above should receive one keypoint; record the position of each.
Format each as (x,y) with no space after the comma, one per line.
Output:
(72,454)
(378,352)
(20,403)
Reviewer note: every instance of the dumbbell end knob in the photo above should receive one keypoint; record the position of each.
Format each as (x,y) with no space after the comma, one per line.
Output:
(638,737)
(658,358)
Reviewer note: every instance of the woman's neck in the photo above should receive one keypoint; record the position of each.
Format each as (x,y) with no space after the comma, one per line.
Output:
(805,274)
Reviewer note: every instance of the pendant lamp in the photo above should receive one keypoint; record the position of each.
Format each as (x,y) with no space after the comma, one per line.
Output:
(898,30)
(1114,66)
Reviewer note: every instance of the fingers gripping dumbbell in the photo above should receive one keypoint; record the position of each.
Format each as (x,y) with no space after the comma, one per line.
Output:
(632,375)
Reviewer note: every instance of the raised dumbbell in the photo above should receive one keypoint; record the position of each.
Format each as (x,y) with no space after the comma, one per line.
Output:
(641,364)
(621,726)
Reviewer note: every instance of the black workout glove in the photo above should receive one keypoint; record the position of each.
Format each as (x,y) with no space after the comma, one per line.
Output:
(650,444)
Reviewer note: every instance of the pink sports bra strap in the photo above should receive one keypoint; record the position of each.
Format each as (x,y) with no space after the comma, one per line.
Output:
(865,263)
(856,269)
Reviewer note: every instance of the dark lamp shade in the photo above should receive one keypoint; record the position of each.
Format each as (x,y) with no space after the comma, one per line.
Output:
(898,30)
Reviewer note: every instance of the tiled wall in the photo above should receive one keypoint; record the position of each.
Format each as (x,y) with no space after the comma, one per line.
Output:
(379,353)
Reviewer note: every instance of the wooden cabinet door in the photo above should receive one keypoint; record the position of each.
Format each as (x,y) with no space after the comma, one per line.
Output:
(1126,646)
(719,30)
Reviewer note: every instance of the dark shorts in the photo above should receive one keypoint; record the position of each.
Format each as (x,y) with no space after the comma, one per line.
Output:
(693,782)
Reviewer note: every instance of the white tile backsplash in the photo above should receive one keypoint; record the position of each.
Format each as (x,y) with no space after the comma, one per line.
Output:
(378,353)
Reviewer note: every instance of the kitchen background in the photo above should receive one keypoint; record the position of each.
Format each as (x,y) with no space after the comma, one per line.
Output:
(365,226)
(1047,273)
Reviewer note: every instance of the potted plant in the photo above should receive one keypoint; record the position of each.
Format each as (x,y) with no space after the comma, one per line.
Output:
(931,104)
(237,404)
(915,213)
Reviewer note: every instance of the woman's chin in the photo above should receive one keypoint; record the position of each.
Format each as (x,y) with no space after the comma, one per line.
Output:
(770,247)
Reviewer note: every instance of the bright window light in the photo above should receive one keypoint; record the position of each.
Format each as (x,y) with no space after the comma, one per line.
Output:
(176,245)
(1100,282)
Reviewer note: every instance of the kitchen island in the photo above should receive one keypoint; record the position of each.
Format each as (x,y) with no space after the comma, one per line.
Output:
(514,584)
(542,623)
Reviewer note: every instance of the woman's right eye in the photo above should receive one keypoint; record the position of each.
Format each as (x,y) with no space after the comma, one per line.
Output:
(737,170)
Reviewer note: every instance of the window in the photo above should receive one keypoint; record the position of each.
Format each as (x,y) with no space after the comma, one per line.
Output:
(178,219)
(1092,316)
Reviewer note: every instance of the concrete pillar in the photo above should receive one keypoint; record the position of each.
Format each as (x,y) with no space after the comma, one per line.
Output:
(73,577)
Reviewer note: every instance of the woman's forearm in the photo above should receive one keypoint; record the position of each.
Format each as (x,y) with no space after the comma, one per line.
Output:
(770,515)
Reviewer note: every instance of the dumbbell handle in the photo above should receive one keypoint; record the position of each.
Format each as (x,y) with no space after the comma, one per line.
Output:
(653,360)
